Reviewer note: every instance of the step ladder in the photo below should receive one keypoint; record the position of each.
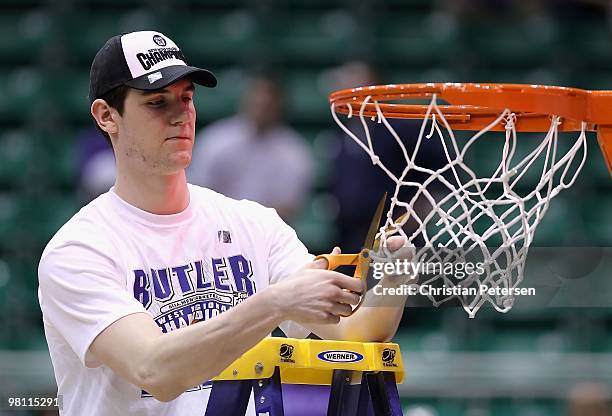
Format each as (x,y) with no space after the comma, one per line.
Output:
(296,377)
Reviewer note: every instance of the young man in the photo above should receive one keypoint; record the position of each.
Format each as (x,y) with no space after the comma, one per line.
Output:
(157,285)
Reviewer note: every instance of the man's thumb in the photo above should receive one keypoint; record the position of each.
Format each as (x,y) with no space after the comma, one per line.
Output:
(321,263)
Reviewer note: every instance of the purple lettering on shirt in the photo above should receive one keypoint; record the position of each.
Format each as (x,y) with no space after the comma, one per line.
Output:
(141,288)
(201,282)
(161,284)
(183,278)
(218,266)
(242,272)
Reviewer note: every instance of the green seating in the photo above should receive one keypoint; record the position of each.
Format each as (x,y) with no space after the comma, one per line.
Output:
(68,95)
(34,156)
(314,224)
(415,41)
(314,4)
(597,219)
(416,406)
(526,407)
(315,38)
(214,38)
(222,101)
(9,220)
(498,406)
(24,35)
(60,160)
(519,340)
(588,42)
(16,149)
(84,42)
(115,4)
(419,340)
(412,76)
(20,94)
(513,42)
(595,170)
(42,215)
(307,100)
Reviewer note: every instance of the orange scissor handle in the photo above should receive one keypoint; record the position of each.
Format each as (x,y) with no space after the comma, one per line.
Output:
(336,260)
(358,260)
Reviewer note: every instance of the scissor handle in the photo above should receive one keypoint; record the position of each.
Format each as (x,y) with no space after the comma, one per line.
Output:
(336,260)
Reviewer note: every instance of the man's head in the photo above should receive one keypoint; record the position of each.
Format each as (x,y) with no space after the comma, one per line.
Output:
(141,92)
(263,101)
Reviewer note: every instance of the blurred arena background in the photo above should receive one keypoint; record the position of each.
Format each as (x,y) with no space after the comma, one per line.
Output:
(541,362)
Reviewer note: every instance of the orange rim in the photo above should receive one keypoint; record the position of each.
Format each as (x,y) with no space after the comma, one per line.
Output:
(470,106)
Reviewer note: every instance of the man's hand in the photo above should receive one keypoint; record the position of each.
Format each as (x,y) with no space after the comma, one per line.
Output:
(397,248)
(372,322)
(315,295)
(395,243)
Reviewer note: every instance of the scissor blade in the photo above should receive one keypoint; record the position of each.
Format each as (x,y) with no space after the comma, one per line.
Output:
(375,224)
(390,228)
(364,256)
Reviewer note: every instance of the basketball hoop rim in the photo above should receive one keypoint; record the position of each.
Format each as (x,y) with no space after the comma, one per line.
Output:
(574,104)
(473,106)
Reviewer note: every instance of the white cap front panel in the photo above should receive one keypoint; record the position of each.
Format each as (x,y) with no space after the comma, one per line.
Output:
(149,51)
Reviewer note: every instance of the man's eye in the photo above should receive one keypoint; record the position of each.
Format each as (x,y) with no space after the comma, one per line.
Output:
(156,103)
(187,98)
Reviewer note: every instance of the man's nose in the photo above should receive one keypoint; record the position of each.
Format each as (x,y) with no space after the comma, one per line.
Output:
(180,112)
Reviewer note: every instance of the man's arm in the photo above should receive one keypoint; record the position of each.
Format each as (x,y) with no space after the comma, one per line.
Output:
(166,365)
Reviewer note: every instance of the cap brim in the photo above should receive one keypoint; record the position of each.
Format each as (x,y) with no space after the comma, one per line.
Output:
(171,74)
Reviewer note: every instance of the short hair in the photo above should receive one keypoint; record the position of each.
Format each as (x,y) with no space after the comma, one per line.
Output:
(115,98)
(269,77)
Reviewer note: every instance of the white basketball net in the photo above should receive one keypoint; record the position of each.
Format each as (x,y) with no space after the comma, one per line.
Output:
(485,217)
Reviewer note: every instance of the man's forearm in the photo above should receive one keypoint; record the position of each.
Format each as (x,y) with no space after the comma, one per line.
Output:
(376,321)
(379,316)
(167,364)
(181,359)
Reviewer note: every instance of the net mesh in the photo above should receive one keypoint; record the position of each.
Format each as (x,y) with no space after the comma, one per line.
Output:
(471,216)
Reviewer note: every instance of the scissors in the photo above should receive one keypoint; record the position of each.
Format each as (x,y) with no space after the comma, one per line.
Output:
(362,260)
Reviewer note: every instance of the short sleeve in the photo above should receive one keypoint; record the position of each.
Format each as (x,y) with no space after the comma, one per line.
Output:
(287,255)
(81,293)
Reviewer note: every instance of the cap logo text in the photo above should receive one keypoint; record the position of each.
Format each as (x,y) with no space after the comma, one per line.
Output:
(159,40)
(155,56)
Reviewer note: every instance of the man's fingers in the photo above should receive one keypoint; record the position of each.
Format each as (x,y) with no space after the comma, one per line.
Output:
(350,283)
(349,298)
(318,264)
(330,318)
(341,309)
(395,242)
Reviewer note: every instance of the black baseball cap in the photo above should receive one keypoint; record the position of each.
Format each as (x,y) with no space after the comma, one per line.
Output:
(146,60)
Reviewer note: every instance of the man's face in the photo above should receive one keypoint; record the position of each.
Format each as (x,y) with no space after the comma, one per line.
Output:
(157,129)
(263,102)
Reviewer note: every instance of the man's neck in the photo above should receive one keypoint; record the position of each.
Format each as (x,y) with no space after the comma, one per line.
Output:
(158,195)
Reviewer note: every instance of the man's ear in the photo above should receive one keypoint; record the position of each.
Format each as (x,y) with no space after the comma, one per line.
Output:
(104,116)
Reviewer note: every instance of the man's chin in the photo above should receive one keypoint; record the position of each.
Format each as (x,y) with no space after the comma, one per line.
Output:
(179,161)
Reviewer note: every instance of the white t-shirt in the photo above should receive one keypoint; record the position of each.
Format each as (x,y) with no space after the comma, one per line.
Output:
(113,259)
